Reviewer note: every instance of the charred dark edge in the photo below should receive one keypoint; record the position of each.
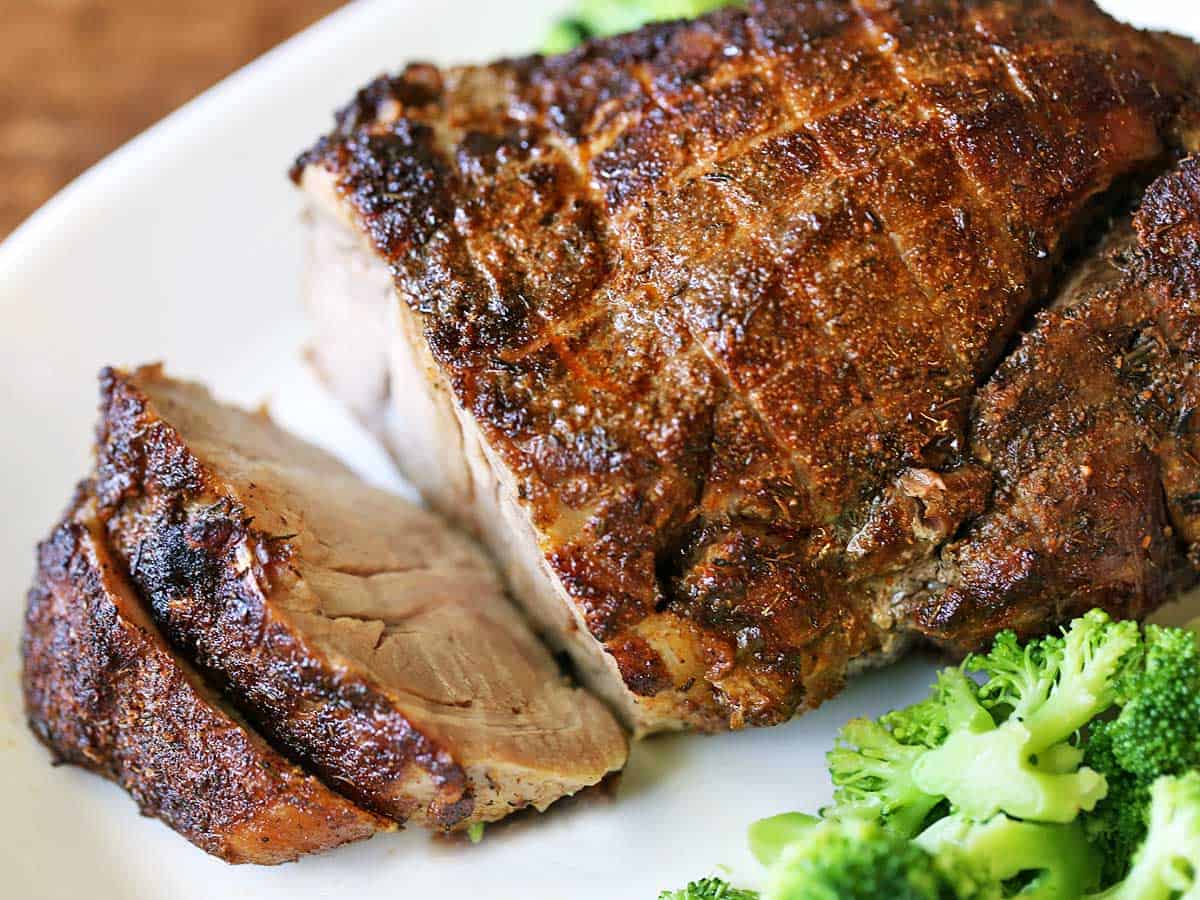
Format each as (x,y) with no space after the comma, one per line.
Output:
(165,469)
(62,557)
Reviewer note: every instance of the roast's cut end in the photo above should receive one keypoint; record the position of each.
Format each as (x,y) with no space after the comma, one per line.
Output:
(103,690)
(691,323)
(359,633)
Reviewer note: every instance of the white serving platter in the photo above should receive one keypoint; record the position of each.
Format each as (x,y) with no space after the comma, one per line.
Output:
(185,246)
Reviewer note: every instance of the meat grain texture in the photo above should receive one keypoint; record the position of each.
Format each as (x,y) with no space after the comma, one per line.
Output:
(104,691)
(711,332)
(357,632)
(274,658)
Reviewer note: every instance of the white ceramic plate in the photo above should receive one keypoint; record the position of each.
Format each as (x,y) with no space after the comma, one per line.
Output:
(185,246)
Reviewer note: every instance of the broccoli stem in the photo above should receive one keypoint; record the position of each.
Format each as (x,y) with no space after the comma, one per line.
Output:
(983,773)
(769,837)
(1065,863)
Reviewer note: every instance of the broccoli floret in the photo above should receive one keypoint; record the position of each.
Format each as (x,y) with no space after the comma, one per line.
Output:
(1118,824)
(1019,676)
(709,889)
(872,763)
(1023,766)
(872,772)
(1099,715)
(1039,861)
(1167,865)
(1156,733)
(860,860)
(600,18)
(1158,730)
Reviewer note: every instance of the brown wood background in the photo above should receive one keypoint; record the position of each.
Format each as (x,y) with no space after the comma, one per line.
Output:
(80,77)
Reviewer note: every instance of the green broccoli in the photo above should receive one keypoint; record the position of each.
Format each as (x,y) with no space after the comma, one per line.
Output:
(1072,766)
(1019,677)
(860,860)
(1167,865)
(1023,766)
(709,889)
(1039,861)
(872,763)
(1158,729)
(770,837)
(600,18)
(872,773)
(1156,733)
(1117,826)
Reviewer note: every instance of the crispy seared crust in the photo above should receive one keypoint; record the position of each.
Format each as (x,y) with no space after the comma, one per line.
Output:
(222,537)
(104,691)
(718,294)
(1089,427)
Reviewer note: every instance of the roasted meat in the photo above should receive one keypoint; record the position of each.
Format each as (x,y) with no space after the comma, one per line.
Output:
(1088,429)
(689,325)
(104,691)
(356,632)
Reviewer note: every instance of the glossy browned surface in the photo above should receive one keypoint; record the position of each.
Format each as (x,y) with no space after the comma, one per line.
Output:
(80,77)
(1089,428)
(718,292)
(104,691)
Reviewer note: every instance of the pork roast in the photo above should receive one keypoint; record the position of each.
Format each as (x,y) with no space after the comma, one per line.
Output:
(103,690)
(689,326)
(356,632)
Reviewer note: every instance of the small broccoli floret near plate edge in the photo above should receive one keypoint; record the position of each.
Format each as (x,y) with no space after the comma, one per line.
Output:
(602,18)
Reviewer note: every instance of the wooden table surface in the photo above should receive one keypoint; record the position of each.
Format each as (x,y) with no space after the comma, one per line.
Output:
(80,77)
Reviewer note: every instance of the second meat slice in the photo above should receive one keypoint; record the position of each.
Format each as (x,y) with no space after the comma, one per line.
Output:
(359,633)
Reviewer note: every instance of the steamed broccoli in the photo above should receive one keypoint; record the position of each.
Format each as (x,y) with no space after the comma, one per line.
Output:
(600,18)
(770,837)
(1158,729)
(1023,766)
(872,772)
(1117,826)
(1035,860)
(1019,677)
(1156,733)
(708,889)
(859,860)
(1072,765)
(1167,865)
(872,763)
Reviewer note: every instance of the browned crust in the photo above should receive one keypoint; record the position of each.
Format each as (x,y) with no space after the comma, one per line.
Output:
(186,537)
(1089,428)
(105,692)
(708,289)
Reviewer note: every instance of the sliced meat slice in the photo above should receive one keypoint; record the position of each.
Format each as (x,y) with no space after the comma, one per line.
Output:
(103,690)
(356,631)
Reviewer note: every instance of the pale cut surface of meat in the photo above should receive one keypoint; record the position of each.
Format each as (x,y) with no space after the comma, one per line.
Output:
(356,631)
(688,324)
(104,691)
